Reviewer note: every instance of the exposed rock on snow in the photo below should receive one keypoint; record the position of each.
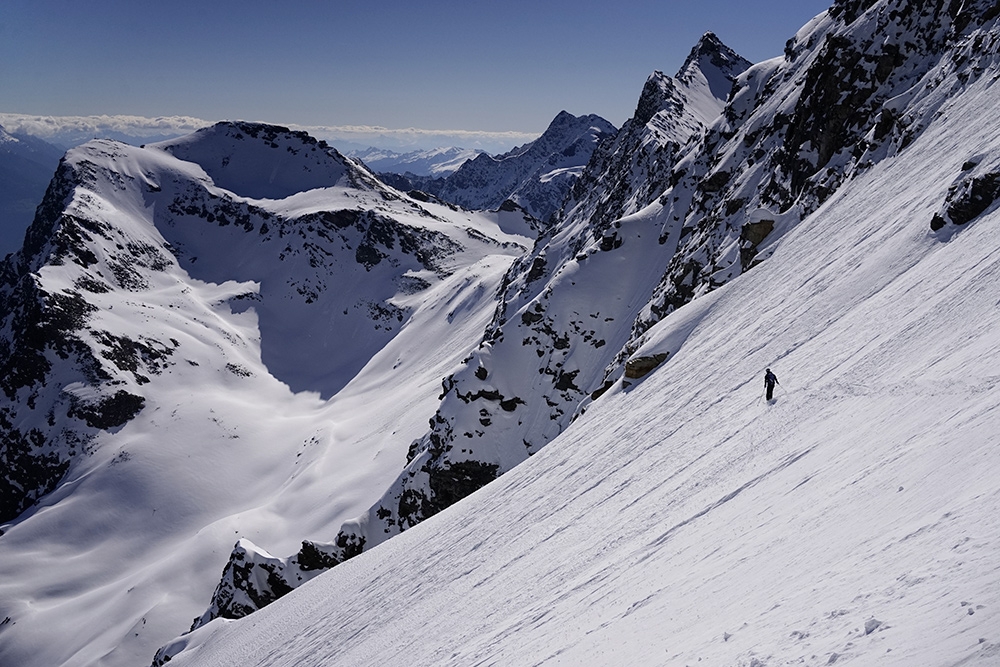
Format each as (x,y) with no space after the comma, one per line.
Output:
(974,193)
(638,367)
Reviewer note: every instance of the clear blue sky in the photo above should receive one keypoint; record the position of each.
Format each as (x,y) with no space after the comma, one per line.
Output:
(506,65)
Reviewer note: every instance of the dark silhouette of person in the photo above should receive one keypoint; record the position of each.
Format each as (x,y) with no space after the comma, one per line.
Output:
(770,379)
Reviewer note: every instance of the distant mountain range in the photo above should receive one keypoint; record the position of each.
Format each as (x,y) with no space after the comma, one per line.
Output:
(536,176)
(436,163)
(26,167)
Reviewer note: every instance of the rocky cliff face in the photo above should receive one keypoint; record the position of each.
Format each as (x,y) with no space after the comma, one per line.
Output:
(46,338)
(565,307)
(26,168)
(630,172)
(854,87)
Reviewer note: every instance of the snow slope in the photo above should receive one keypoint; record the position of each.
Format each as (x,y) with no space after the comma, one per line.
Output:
(240,344)
(683,521)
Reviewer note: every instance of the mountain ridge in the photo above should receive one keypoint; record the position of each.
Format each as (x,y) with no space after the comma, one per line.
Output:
(851,521)
(698,229)
(438,162)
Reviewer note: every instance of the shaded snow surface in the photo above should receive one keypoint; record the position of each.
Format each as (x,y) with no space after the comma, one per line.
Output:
(685,521)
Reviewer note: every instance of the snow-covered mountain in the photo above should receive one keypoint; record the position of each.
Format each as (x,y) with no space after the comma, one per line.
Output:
(436,163)
(173,331)
(240,337)
(536,176)
(681,519)
(564,314)
(26,167)
(676,231)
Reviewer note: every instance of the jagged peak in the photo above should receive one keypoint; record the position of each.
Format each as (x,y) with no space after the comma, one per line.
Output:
(708,45)
(710,61)
(718,63)
(655,92)
(562,118)
(565,119)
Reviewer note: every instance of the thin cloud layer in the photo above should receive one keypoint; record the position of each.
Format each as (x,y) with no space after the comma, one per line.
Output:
(68,131)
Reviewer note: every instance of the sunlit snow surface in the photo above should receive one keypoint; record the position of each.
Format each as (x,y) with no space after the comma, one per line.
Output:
(126,551)
(686,521)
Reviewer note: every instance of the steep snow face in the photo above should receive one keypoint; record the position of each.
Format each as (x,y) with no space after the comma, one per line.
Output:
(167,350)
(536,176)
(685,521)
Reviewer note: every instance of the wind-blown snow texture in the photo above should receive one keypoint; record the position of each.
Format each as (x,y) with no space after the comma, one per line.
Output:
(678,519)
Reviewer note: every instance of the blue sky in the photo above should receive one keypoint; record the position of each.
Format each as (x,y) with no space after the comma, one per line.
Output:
(480,66)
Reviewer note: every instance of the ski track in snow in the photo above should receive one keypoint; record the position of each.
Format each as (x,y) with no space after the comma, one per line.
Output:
(685,521)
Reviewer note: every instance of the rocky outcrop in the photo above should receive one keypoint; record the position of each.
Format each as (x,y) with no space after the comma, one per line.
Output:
(853,88)
(639,367)
(974,192)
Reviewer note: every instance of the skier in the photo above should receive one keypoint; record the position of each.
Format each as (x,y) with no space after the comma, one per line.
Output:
(770,379)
